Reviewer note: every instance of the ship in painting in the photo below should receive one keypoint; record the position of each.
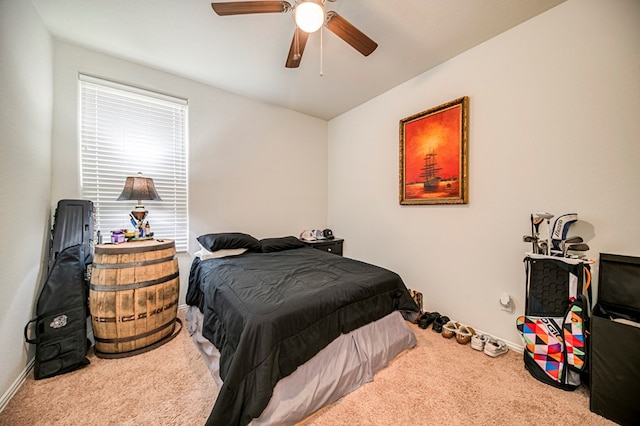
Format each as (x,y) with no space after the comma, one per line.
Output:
(430,172)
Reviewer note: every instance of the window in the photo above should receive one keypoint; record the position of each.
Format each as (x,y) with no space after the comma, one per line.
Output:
(123,131)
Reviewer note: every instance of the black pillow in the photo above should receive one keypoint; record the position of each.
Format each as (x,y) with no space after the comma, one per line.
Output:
(278,244)
(229,240)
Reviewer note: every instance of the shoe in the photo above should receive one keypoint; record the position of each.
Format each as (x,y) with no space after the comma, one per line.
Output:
(427,319)
(450,329)
(464,334)
(494,348)
(478,341)
(439,323)
(417,298)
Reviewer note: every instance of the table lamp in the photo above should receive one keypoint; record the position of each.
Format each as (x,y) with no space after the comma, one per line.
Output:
(139,188)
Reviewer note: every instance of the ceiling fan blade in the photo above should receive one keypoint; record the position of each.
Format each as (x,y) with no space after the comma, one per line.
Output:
(247,7)
(297,48)
(346,31)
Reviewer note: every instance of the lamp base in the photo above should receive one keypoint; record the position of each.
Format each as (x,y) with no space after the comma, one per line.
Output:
(138,216)
(139,213)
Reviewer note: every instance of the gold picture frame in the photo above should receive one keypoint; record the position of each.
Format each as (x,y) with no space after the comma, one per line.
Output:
(434,164)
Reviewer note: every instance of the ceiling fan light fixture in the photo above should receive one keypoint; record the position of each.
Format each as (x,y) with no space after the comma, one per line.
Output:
(309,15)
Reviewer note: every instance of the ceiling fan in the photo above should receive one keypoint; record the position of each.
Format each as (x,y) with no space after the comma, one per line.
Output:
(309,15)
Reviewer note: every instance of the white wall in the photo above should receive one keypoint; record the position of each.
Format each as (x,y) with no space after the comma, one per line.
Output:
(554,126)
(253,167)
(25,157)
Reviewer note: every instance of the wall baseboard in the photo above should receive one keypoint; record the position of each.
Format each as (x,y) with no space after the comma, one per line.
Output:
(13,389)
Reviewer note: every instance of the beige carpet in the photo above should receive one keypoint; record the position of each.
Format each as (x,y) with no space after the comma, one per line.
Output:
(439,382)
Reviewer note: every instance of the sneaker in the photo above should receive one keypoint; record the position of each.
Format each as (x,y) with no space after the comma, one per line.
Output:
(478,341)
(494,348)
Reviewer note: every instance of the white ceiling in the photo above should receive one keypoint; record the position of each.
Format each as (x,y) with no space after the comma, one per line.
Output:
(245,54)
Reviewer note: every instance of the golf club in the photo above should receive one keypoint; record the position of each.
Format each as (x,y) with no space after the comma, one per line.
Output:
(561,249)
(537,246)
(533,235)
(564,244)
(546,216)
(532,240)
(561,228)
(536,224)
(578,247)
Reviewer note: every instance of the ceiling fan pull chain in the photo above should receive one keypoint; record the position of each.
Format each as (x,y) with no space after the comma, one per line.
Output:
(321,51)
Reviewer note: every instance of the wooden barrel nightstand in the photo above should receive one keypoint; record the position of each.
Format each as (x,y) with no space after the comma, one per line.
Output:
(133,296)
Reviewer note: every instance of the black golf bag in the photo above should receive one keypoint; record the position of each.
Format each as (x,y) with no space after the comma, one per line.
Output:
(60,328)
(556,321)
(61,317)
(73,224)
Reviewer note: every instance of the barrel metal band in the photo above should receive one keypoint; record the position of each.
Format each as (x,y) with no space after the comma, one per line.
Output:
(136,337)
(111,249)
(132,264)
(141,315)
(167,338)
(134,286)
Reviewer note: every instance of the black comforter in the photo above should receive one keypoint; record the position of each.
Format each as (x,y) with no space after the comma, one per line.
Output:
(268,313)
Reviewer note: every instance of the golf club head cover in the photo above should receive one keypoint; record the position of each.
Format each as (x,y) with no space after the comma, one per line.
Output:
(561,228)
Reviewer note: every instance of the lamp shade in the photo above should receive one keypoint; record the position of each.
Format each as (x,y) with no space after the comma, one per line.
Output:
(139,188)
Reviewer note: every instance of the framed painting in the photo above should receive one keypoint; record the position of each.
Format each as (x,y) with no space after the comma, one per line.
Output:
(434,155)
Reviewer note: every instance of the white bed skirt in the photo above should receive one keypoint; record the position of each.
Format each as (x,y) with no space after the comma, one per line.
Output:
(343,366)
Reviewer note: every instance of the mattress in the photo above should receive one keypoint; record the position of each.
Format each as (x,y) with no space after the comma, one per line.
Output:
(344,365)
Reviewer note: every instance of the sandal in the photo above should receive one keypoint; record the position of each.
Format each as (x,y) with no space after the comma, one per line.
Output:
(426,319)
(495,348)
(464,334)
(450,329)
(439,323)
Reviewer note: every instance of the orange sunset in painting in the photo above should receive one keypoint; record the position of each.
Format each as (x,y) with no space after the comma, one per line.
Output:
(432,155)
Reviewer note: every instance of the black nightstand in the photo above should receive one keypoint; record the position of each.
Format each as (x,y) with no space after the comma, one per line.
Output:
(332,246)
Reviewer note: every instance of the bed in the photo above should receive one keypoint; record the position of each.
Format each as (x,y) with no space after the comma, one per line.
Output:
(286,329)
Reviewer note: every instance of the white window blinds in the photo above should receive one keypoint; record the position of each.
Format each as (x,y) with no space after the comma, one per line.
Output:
(123,131)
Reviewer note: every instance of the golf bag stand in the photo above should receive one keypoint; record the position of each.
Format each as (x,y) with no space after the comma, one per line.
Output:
(555,325)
